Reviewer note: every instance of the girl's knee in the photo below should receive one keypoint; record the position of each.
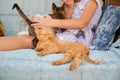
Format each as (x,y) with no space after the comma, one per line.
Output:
(27,39)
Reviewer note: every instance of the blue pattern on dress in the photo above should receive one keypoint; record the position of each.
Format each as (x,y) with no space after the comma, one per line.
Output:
(80,34)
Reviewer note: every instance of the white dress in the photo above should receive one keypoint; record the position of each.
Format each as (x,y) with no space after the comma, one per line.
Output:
(85,35)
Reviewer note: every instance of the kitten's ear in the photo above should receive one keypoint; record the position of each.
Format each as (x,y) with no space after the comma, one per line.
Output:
(54,5)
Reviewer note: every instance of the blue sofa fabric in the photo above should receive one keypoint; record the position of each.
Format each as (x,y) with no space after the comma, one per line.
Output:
(24,64)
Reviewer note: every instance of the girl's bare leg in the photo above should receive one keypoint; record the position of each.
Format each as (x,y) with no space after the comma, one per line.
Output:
(15,42)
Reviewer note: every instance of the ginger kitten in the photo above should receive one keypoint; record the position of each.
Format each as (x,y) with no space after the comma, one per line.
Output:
(72,50)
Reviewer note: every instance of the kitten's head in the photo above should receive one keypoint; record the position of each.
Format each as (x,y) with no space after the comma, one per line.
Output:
(45,33)
(59,12)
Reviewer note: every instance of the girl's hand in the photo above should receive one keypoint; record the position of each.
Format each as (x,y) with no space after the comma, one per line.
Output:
(41,22)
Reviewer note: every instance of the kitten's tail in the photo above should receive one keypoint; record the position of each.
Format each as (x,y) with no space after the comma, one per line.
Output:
(86,53)
(21,14)
(30,29)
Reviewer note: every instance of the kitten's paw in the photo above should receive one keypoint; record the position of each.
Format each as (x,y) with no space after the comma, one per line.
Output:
(72,67)
(56,63)
(40,54)
(37,49)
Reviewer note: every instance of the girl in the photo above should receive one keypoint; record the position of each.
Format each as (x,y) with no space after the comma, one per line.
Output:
(81,20)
